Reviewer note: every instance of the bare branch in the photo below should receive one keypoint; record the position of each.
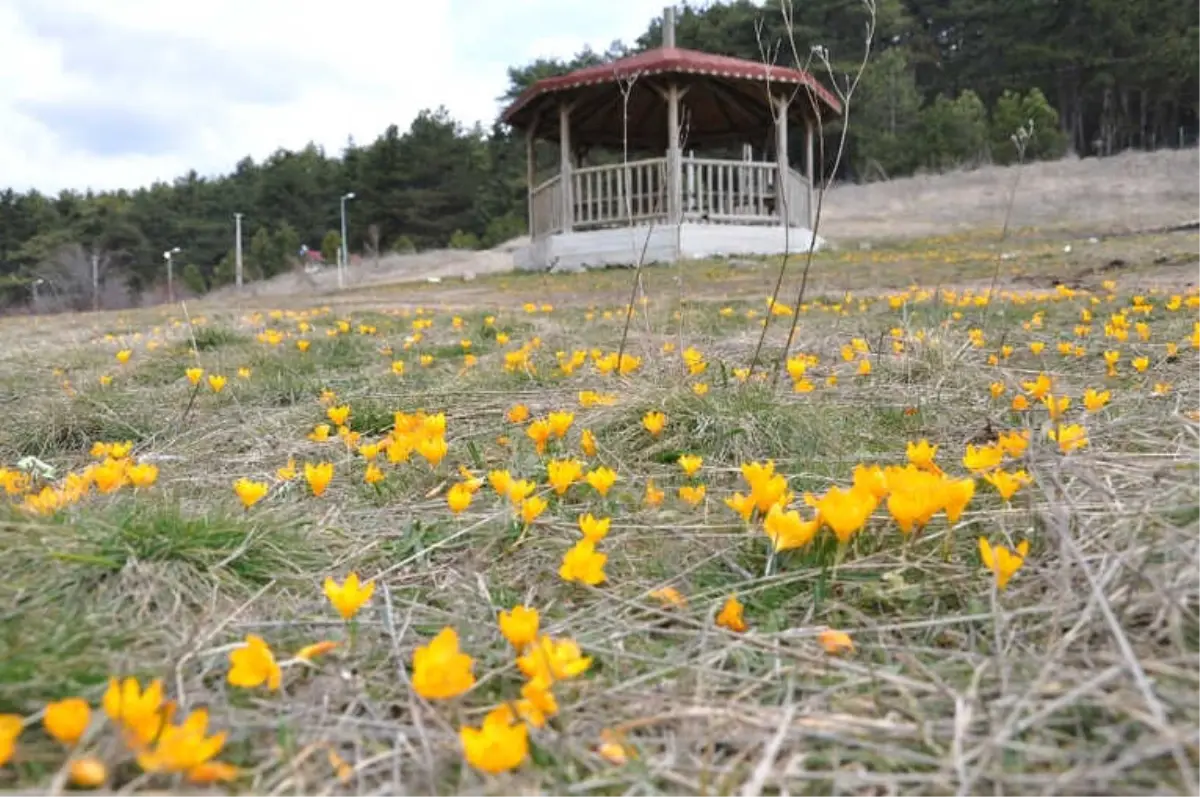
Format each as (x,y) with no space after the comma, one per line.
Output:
(845,94)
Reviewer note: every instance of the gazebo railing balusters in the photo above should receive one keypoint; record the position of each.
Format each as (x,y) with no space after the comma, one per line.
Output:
(715,192)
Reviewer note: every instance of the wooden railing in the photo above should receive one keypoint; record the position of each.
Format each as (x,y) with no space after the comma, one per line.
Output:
(799,197)
(738,192)
(712,192)
(545,208)
(608,196)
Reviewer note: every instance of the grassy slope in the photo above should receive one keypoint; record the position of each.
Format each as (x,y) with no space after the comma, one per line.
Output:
(1080,677)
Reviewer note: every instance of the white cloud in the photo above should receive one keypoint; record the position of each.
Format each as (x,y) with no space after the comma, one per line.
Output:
(125,92)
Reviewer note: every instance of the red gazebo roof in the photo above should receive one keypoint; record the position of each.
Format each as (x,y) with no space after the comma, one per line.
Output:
(729,78)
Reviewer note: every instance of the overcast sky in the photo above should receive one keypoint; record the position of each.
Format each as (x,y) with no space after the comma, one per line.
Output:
(119,93)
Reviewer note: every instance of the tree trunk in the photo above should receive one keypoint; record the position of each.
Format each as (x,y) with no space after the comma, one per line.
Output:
(1144,118)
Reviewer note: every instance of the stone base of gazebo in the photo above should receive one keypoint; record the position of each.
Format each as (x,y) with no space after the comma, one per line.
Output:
(626,246)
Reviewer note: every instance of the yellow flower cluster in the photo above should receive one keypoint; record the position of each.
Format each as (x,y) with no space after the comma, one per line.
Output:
(417,433)
(146,726)
(115,468)
(912,495)
(501,742)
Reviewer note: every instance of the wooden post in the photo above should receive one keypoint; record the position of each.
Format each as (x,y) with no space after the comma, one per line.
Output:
(809,171)
(530,177)
(690,205)
(674,163)
(783,198)
(564,167)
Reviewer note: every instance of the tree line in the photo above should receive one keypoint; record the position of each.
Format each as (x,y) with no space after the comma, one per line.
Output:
(947,84)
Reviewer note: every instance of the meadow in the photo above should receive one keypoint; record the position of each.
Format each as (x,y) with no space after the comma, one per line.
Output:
(457,538)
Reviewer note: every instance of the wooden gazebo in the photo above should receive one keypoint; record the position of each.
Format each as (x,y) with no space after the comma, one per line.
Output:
(675,205)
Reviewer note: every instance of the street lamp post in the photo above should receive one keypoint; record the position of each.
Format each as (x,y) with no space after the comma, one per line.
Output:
(170,273)
(95,282)
(345,250)
(237,250)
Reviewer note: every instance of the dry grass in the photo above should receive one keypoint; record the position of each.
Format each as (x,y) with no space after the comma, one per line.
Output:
(1127,192)
(1081,677)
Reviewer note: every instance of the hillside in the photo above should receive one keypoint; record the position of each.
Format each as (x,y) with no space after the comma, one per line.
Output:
(1127,192)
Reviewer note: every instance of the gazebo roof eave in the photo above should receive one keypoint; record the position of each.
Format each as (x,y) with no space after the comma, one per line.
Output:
(515,115)
(748,126)
(669,62)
